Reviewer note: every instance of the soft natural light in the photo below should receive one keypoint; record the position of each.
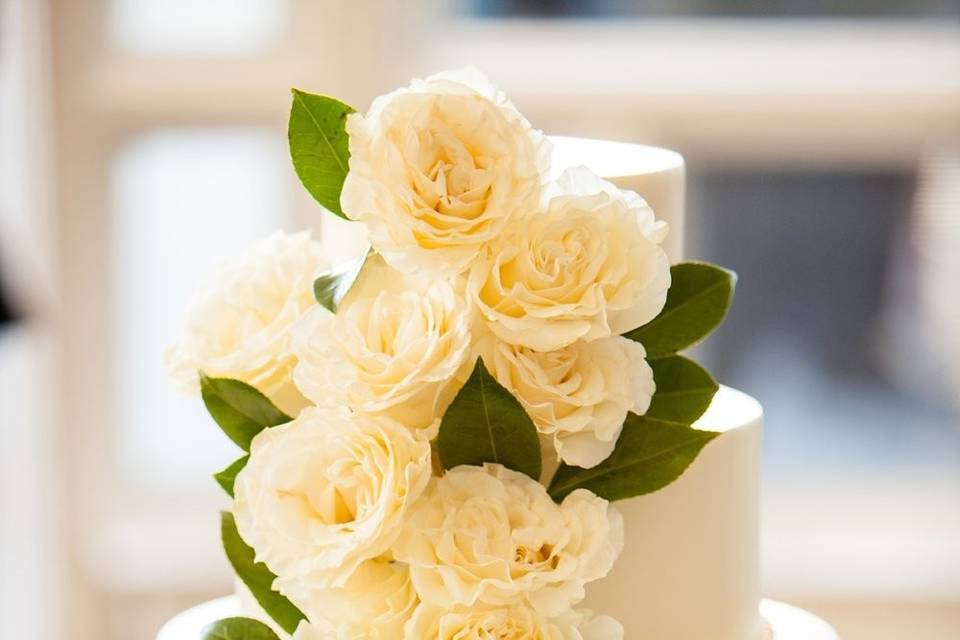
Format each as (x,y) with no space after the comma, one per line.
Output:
(185,27)
(183,201)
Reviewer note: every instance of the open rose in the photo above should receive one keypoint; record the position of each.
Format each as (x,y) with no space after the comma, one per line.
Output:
(239,327)
(510,622)
(326,492)
(398,346)
(588,267)
(579,394)
(375,602)
(491,536)
(439,169)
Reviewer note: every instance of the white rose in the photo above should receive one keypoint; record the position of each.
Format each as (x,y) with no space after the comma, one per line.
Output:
(599,628)
(579,394)
(489,535)
(588,267)
(324,493)
(439,169)
(375,603)
(398,346)
(516,621)
(239,327)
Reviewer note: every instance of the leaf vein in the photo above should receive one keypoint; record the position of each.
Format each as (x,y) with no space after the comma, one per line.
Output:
(323,134)
(587,476)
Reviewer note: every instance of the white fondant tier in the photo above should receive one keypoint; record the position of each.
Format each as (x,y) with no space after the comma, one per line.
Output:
(689,568)
(785,622)
(657,174)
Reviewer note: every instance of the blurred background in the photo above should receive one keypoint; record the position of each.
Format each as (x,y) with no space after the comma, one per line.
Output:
(143,141)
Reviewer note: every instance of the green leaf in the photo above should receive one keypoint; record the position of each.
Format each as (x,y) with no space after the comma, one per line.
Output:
(256,576)
(697,302)
(649,455)
(331,288)
(238,629)
(227,477)
(240,410)
(684,390)
(485,423)
(318,146)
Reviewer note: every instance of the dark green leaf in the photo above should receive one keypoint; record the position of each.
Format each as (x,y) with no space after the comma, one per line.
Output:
(256,576)
(649,455)
(238,629)
(697,302)
(684,390)
(240,410)
(331,287)
(486,423)
(226,477)
(318,146)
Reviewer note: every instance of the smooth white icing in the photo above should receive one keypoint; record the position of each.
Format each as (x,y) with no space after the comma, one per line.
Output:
(689,568)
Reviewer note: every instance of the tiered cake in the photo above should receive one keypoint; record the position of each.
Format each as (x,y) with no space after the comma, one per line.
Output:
(689,566)
(483,425)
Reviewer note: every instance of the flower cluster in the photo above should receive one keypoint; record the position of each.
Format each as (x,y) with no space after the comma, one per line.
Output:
(240,325)
(479,250)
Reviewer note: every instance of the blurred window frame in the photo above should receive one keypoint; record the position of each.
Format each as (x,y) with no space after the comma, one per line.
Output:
(838,93)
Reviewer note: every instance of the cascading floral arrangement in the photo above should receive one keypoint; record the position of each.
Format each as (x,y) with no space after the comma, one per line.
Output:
(435,431)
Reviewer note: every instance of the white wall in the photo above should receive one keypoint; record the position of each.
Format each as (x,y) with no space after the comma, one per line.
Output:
(30,547)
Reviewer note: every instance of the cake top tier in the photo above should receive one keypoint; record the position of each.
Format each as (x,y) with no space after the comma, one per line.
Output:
(730,409)
(656,174)
(612,159)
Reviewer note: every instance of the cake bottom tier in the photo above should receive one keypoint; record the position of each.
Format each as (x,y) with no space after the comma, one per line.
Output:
(690,564)
(689,568)
(784,622)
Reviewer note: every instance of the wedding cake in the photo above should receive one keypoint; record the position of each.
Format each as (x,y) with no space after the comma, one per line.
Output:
(482,426)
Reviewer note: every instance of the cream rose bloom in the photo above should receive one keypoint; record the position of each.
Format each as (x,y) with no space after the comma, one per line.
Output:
(375,603)
(491,536)
(439,169)
(326,492)
(398,346)
(579,394)
(592,627)
(239,327)
(590,266)
(517,621)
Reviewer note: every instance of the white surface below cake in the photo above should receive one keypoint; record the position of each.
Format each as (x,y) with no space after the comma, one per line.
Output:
(784,622)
